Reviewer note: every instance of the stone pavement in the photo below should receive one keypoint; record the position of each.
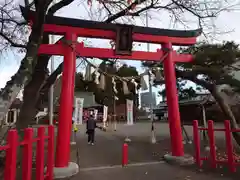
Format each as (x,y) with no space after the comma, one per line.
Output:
(107,150)
(144,172)
(103,160)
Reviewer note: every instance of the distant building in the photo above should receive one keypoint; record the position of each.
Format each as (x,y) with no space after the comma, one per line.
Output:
(89,99)
(200,106)
(146,100)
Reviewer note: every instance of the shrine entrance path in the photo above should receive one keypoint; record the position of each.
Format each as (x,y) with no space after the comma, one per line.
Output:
(103,160)
(107,150)
(108,147)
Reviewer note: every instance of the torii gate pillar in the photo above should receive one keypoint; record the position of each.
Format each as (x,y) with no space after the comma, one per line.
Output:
(172,102)
(66,103)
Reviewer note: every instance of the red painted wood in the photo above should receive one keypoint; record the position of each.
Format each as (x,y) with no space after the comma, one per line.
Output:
(172,103)
(125,154)
(66,100)
(98,33)
(51,49)
(229,146)
(110,53)
(11,156)
(164,39)
(58,49)
(83,32)
(213,154)
(27,154)
(40,154)
(197,141)
(50,156)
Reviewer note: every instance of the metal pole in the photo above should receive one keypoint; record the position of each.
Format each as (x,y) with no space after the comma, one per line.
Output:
(150,91)
(114,114)
(205,137)
(153,138)
(52,87)
(51,90)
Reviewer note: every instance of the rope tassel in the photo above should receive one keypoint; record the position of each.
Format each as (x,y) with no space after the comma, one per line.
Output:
(114,86)
(88,76)
(135,85)
(102,82)
(97,74)
(143,84)
(158,76)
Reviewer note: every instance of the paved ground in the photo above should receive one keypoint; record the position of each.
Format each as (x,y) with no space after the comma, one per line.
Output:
(103,160)
(144,172)
(108,146)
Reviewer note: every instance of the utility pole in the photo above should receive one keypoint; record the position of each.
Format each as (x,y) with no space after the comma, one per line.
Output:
(52,87)
(150,82)
(114,113)
(153,137)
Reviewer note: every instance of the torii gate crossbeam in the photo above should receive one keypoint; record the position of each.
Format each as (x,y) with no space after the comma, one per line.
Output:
(59,49)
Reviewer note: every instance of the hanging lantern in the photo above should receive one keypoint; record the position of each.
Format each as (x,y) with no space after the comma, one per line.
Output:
(102,82)
(143,84)
(125,88)
(88,76)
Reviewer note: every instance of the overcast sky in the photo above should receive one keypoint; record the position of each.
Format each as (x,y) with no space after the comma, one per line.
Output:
(227,21)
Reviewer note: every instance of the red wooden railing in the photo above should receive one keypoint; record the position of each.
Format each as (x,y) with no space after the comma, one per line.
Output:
(231,161)
(11,154)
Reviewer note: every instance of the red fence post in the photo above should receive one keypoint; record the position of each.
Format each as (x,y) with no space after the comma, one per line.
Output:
(40,154)
(212,144)
(229,146)
(11,156)
(50,163)
(196,139)
(125,154)
(27,154)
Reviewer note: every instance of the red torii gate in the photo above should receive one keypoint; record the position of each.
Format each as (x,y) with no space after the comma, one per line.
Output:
(70,48)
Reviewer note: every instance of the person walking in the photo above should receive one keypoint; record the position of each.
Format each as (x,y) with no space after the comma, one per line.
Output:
(90,126)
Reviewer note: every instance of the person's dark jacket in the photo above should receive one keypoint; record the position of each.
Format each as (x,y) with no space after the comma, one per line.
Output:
(91,124)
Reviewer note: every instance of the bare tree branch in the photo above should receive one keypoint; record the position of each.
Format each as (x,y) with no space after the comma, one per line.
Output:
(124,11)
(52,10)
(11,41)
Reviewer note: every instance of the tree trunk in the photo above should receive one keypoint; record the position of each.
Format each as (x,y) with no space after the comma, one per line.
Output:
(222,98)
(31,92)
(219,95)
(23,75)
(28,110)
(25,71)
